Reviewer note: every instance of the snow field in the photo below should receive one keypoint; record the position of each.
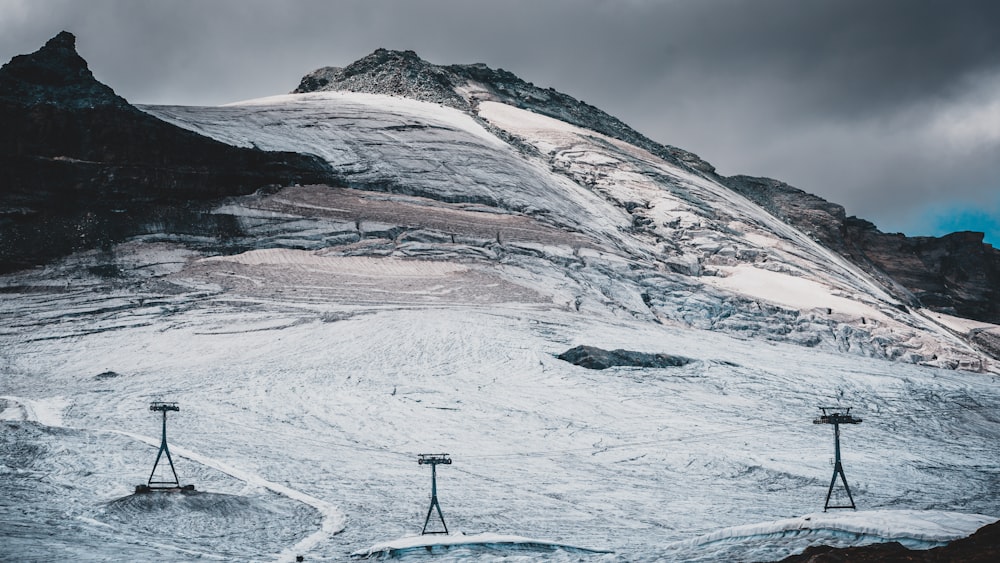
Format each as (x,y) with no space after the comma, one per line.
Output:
(627,459)
(421,311)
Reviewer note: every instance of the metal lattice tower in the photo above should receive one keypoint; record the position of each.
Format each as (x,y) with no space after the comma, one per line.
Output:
(158,406)
(434,460)
(834,416)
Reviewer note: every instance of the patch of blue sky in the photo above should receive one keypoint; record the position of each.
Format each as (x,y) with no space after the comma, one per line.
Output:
(941,220)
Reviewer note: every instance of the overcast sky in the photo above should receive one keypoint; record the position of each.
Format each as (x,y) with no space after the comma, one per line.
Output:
(890,108)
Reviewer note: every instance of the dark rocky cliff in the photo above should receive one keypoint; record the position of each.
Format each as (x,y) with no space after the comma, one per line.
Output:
(80,167)
(957,274)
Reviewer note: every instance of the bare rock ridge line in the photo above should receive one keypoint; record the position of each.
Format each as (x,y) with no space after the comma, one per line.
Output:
(81,168)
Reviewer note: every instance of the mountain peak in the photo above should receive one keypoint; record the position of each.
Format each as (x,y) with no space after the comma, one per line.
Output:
(463,86)
(384,71)
(62,40)
(55,74)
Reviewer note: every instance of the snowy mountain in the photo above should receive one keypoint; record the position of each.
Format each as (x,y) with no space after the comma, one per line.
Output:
(413,285)
(957,274)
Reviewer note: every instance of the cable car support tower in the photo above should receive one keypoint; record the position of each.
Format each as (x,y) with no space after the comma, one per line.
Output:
(163,485)
(834,416)
(434,460)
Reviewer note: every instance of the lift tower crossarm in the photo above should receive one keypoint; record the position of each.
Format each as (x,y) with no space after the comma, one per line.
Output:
(833,415)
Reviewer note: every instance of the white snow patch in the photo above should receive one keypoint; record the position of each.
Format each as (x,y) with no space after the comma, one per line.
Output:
(44,411)
(959,324)
(523,121)
(761,240)
(791,291)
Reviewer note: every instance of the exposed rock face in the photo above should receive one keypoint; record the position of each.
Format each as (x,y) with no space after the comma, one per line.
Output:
(403,73)
(956,274)
(591,357)
(55,74)
(80,167)
(813,215)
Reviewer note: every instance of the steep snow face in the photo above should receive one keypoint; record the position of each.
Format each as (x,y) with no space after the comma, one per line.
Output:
(396,145)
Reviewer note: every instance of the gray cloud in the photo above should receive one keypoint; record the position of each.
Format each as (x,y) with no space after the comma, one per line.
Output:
(891,108)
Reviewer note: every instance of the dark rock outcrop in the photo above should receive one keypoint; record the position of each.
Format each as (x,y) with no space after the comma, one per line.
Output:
(813,215)
(404,73)
(957,274)
(80,167)
(596,358)
(981,547)
(55,74)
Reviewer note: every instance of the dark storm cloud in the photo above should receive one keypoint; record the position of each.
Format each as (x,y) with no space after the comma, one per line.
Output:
(882,106)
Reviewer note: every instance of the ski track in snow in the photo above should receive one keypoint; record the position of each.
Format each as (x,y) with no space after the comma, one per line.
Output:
(47,412)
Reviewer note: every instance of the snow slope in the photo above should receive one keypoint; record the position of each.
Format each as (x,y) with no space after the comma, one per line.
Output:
(674,231)
(420,307)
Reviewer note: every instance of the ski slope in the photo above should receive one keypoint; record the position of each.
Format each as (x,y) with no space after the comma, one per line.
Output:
(420,308)
(336,403)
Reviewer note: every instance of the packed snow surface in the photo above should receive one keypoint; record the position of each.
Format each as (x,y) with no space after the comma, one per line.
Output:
(420,307)
(333,401)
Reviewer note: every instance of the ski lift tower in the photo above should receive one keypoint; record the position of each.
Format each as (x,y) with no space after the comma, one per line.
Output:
(434,460)
(837,416)
(151,485)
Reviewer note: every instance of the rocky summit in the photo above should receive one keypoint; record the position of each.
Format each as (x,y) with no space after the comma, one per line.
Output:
(55,74)
(81,168)
(404,73)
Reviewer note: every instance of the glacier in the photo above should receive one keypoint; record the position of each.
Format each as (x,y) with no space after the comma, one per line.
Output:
(339,331)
